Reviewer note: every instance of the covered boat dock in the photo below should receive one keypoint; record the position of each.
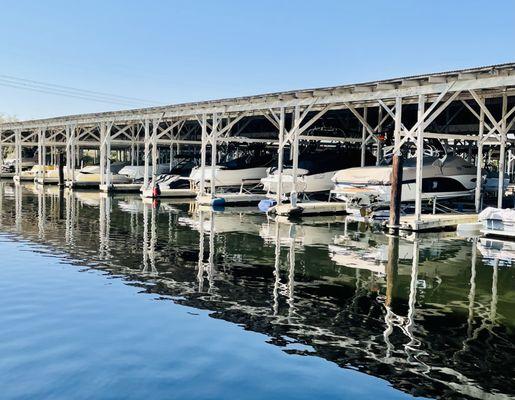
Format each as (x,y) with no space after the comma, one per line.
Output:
(471,110)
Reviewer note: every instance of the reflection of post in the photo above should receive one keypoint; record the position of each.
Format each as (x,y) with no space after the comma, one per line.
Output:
(105,225)
(291,271)
(472,292)
(412,301)
(1,192)
(150,244)
(19,206)
(70,220)
(277,271)
(200,265)
(391,279)
(391,269)
(493,304)
(145,237)
(211,259)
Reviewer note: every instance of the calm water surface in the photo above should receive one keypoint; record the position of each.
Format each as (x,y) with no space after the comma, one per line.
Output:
(112,298)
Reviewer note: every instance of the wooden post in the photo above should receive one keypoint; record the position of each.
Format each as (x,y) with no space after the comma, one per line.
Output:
(61,169)
(396,179)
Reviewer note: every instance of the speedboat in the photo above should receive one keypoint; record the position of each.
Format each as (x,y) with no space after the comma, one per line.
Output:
(8,168)
(242,171)
(442,178)
(315,171)
(89,176)
(137,172)
(32,173)
(175,183)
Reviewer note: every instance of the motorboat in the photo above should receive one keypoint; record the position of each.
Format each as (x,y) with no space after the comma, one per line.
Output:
(51,175)
(175,183)
(32,173)
(137,172)
(246,170)
(315,171)
(442,178)
(8,168)
(89,176)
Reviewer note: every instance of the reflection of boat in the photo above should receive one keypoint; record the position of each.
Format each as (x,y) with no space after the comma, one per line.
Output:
(241,220)
(315,171)
(497,252)
(302,234)
(90,176)
(245,170)
(443,179)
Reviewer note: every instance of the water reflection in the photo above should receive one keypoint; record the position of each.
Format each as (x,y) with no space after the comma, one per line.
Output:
(432,314)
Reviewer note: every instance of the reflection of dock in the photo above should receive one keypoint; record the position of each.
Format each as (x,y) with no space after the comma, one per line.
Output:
(121,188)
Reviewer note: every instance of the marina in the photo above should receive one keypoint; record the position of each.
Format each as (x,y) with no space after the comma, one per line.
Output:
(218,200)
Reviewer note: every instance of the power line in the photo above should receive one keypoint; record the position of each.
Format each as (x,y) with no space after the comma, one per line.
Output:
(40,90)
(69,91)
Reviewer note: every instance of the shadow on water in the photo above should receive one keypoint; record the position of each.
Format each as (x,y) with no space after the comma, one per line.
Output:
(431,314)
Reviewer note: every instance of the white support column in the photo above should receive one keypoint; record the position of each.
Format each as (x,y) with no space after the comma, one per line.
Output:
(102,154)
(40,153)
(155,153)
(295,157)
(420,157)
(108,155)
(17,151)
(479,161)
(502,152)
(203,146)
(379,154)
(146,153)
(364,135)
(214,136)
(280,157)
(1,149)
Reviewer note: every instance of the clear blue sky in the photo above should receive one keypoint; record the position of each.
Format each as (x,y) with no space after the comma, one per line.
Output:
(178,51)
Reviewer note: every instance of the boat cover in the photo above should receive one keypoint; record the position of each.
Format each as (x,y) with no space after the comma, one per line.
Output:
(501,214)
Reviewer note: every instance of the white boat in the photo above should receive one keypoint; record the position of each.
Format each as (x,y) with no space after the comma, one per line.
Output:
(246,170)
(445,178)
(8,168)
(175,183)
(137,172)
(315,171)
(32,173)
(51,175)
(90,176)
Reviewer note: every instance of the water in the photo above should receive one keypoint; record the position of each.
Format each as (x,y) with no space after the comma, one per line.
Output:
(111,298)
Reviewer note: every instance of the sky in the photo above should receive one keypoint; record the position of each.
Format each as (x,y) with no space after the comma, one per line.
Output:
(144,53)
